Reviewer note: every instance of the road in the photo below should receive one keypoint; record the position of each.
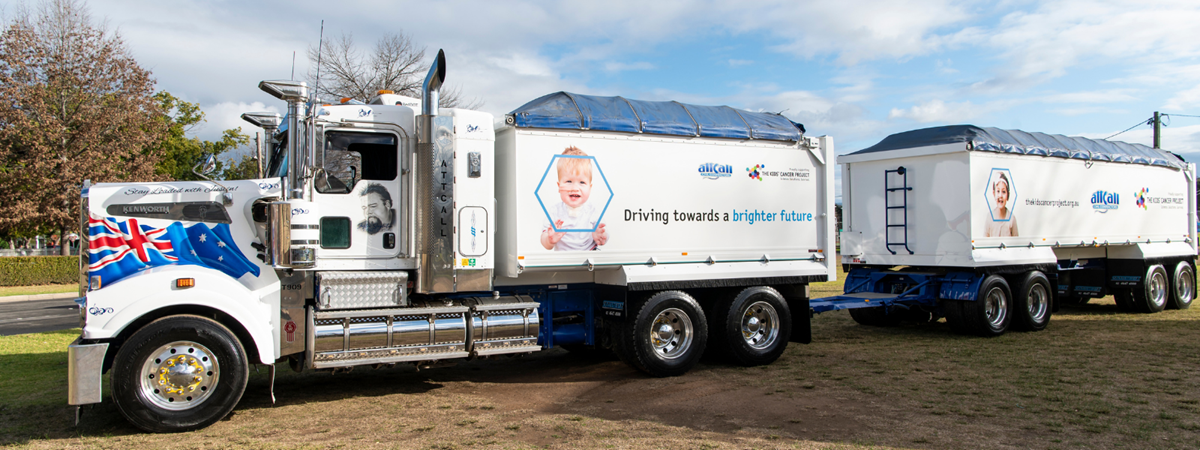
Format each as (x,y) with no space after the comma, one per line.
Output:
(37,316)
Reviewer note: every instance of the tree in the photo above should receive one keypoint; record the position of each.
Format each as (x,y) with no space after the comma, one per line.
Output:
(180,153)
(76,106)
(395,64)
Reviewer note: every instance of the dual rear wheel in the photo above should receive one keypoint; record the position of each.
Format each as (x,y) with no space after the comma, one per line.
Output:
(998,306)
(667,333)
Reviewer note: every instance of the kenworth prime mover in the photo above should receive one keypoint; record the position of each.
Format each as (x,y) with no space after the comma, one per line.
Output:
(993,229)
(387,232)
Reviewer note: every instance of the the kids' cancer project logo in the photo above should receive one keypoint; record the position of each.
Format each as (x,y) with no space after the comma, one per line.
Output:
(756,171)
(1141,198)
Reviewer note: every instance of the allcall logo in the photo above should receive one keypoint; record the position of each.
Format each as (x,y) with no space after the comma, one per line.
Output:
(1103,201)
(714,171)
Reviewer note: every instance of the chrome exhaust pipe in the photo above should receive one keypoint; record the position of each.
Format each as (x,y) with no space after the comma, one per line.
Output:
(435,188)
(433,84)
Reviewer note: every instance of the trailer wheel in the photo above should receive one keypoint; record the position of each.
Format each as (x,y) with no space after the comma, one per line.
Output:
(752,328)
(667,335)
(1183,286)
(876,317)
(179,373)
(1152,297)
(1032,302)
(988,315)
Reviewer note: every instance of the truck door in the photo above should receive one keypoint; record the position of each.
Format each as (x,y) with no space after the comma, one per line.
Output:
(358,194)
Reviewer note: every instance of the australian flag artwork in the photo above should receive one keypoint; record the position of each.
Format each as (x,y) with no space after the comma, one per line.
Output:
(118,249)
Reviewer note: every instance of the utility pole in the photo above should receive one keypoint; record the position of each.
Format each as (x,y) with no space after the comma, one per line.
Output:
(1157,129)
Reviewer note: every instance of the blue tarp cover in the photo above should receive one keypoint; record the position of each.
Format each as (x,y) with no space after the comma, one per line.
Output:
(1016,141)
(564,110)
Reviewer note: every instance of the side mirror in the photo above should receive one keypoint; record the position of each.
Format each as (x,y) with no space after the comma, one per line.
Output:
(206,167)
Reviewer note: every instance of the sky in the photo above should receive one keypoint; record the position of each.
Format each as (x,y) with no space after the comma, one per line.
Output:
(854,70)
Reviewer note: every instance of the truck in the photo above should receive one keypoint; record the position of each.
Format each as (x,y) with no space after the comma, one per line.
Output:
(995,229)
(392,231)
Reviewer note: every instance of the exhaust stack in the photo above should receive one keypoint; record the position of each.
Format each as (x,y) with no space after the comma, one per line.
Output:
(435,188)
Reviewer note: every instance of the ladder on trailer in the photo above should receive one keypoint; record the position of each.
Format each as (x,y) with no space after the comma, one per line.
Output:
(902,206)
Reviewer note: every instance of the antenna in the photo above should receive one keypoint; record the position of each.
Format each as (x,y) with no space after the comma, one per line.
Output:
(320,49)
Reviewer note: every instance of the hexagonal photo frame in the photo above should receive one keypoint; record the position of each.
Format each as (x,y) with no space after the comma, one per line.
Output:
(998,175)
(552,194)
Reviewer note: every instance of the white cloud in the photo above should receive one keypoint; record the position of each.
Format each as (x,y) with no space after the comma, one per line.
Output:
(1182,100)
(937,111)
(621,67)
(223,116)
(740,62)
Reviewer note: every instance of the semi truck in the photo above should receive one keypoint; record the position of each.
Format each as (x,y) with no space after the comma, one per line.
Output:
(994,229)
(391,231)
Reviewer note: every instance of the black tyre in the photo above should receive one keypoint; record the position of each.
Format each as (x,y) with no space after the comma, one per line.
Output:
(1183,286)
(1032,302)
(666,336)
(753,328)
(179,373)
(989,315)
(1151,296)
(952,310)
(1124,300)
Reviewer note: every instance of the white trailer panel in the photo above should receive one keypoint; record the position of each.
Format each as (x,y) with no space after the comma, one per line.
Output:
(972,208)
(667,201)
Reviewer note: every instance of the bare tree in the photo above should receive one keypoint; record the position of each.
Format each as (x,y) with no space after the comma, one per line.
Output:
(75,106)
(395,64)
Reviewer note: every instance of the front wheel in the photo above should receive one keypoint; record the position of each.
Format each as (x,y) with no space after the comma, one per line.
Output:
(1183,286)
(666,336)
(179,373)
(753,328)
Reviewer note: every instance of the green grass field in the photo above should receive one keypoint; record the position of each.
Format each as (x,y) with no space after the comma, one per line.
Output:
(1095,378)
(6,291)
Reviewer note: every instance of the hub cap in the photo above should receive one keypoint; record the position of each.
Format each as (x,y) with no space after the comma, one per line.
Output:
(1183,286)
(1038,302)
(671,333)
(179,375)
(760,325)
(996,307)
(1158,288)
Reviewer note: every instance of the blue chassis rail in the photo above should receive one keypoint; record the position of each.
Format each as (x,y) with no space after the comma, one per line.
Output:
(873,288)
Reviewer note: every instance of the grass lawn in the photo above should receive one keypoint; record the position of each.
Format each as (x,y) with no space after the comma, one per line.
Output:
(43,289)
(1095,378)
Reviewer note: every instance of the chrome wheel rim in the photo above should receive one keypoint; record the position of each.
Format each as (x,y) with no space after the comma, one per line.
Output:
(179,376)
(996,307)
(760,325)
(1184,287)
(671,333)
(1038,302)
(1158,288)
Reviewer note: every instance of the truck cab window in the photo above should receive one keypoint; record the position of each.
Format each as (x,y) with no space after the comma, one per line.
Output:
(352,156)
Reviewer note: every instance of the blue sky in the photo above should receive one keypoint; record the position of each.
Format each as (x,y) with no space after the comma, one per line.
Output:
(854,70)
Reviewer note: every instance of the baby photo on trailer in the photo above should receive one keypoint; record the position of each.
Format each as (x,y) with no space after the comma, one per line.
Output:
(1001,198)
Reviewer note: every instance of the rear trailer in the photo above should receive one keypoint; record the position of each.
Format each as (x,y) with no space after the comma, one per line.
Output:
(994,229)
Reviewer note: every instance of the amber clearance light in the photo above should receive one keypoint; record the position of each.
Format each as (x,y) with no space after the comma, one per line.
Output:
(184,283)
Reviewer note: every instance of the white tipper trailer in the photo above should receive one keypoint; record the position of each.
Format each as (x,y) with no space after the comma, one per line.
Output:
(994,228)
(387,233)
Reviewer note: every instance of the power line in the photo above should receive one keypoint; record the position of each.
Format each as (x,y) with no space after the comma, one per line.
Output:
(1181,115)
(1144,122)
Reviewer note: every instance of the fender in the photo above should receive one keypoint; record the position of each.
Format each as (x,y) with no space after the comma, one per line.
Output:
(111,309)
